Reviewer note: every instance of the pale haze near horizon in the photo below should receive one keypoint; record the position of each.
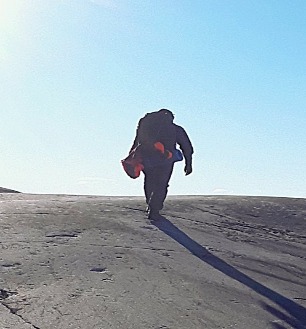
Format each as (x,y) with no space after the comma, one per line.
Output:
(76,76)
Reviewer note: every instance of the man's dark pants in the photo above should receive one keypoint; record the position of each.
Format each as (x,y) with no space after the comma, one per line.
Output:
(156,184)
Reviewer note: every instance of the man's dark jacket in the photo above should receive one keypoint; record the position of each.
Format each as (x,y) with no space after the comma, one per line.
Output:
(169,135)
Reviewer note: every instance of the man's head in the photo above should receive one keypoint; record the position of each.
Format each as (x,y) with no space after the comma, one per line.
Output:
(168,114)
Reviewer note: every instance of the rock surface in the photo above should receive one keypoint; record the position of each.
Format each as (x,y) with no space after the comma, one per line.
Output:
(6,190)
(97,262)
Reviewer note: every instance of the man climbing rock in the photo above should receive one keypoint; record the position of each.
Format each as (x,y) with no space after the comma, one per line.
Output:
(156,138)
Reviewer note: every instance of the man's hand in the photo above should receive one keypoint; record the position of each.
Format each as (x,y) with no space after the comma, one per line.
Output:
(188,169)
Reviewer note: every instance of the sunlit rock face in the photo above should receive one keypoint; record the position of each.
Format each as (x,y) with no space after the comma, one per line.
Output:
(69,261)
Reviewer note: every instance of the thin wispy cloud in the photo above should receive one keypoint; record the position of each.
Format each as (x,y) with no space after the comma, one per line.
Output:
(221,191)
(93,180)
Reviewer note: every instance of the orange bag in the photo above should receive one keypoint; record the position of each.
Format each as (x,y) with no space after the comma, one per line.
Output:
(132,164)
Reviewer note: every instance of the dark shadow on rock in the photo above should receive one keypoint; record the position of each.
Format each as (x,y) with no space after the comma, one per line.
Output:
(297,313)
(293,322)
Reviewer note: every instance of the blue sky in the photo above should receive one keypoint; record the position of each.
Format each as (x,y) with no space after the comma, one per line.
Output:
(76,76)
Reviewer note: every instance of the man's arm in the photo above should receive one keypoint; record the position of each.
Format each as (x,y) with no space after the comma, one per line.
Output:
(135,143)
(184,142)
(136,139)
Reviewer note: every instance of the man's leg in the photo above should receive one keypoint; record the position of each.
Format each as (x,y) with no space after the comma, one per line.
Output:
(156,186)
(149,183)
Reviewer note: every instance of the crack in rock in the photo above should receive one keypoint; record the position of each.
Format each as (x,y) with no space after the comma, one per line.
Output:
(62,234)
(7,265)
(4,294)
(99,269)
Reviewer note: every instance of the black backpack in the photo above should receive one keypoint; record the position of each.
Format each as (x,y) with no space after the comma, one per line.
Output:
(157,127)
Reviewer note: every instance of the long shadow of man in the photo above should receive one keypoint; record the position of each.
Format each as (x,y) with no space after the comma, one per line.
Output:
(297,318)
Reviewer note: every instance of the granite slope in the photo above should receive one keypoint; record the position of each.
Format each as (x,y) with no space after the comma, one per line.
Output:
(97,262)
